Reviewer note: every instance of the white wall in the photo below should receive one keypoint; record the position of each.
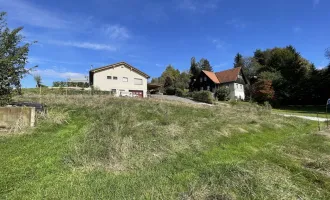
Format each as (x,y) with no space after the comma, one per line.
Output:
(236,91)
(101,82)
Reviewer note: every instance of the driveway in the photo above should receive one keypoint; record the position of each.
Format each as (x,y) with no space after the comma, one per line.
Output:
(176,98)
(306,117)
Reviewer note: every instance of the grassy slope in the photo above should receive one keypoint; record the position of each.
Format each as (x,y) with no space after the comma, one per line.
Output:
(164,151)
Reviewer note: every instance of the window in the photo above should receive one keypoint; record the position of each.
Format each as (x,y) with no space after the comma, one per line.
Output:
(138,81)
(109,77)
(113,91)
(201,88)
(125,79)
(208,87)
(241,86)
(205,79)
(236,85)
(201,79)
(115,78)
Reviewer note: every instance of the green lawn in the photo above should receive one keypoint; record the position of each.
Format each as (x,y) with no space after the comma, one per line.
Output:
(108,148)
(311,111)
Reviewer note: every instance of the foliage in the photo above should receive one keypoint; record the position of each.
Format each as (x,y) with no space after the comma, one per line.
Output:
(239,61)
(222,93)
(294,79)
(203,96)
(204,64)
(172,78)
(263,91)
(168,82)
(170,90)
(179,92)
(70,84)
(37,79)
(194,68)
(327,53)
(13,57)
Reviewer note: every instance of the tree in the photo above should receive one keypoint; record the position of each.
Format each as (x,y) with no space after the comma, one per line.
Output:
(37,79)
(239,62)
(194,68)
(13,58)
(204,64)
(327,53)
(168,82)
(222,93)
(263,91)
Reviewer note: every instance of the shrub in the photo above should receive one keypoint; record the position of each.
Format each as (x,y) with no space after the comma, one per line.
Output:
(263,91)
(170,91)
(203,96)
(267,105)
(222,93)
(179,92)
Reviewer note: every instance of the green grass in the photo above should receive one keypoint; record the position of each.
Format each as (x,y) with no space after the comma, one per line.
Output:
(109,148)
(311,111)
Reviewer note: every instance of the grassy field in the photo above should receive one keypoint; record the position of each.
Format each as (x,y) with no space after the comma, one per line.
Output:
(97,147)
(311,111)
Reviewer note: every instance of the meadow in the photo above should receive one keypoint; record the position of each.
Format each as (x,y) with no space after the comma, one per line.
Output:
(101,147)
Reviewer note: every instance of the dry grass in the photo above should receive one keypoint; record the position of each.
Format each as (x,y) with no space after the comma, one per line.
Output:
(118,148)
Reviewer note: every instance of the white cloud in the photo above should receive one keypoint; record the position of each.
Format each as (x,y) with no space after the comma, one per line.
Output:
(218,44)
(221,65)
(117,32)
(197,5)
(31,14)
(57,74)
(316,2)
(236,23)
(84,45)
(297,29)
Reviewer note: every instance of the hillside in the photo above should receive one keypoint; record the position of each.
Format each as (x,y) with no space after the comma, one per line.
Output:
(98,147)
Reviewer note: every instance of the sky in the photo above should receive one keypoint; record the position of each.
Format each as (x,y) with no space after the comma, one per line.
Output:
(74,36)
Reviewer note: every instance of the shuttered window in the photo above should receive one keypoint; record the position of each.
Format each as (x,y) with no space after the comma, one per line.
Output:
(138,81)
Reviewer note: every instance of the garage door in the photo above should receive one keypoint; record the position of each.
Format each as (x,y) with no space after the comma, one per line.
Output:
(137,92)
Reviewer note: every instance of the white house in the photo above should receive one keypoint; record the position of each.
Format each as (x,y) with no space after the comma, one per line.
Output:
(234,79)
(120,78)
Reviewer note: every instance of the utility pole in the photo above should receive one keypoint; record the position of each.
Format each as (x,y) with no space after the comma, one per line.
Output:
(90,86)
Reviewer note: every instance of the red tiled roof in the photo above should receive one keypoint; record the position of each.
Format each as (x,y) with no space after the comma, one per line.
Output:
(211,75)
(228,75)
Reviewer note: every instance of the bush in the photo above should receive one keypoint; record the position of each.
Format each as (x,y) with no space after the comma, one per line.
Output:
(203,96)
(179,92)
(222,93)
(170,91)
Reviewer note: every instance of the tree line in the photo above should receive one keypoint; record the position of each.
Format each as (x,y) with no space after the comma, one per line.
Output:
(280,76)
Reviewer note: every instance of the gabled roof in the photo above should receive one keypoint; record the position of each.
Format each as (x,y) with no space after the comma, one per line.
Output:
(117,65)
(211,75)
(230,75)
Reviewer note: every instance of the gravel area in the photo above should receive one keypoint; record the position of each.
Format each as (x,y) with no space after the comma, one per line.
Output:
(306,117)
(176,98)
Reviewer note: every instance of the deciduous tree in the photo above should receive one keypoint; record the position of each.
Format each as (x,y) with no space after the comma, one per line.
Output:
(13,58)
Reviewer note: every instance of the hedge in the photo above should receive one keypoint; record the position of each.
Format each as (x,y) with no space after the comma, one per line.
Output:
(203,96)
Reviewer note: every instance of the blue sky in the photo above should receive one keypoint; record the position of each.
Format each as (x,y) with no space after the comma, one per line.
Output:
(73,35)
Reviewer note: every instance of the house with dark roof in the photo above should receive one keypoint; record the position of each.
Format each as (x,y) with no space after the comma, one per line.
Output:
(234,79)
(121,79)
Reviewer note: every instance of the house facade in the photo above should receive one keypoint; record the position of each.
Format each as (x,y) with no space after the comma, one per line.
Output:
(234,79)
(121,79)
